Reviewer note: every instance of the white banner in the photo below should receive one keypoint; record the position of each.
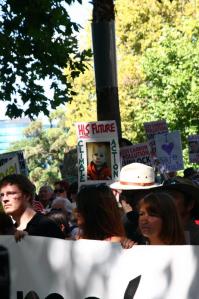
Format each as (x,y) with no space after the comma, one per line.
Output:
(58,269)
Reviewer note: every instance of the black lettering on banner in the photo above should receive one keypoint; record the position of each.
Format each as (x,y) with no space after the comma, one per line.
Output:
(33,295)
(30,295)
(129,293)
(132,288)
(54,296)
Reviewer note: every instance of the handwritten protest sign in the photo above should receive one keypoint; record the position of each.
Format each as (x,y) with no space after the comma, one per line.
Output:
(4,158)
(153,128)
(193,143)
(135,153)
(169,151)
(98,152)
(11,167)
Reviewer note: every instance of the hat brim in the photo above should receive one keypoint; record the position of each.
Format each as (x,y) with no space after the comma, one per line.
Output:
(192,191)
(119,186)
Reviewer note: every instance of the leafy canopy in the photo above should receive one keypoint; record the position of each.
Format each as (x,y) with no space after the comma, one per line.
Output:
(37,42)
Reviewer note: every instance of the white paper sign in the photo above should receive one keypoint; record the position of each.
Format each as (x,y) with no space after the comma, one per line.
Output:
(57,269)
(193,143)
(169,151)
(98,152)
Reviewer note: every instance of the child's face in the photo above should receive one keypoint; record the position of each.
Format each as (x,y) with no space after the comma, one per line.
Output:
(99,156)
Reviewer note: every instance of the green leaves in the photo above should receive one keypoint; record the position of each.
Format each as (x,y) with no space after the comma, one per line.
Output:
(37,42)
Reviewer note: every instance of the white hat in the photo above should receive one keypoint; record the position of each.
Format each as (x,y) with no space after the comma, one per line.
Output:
(136,176)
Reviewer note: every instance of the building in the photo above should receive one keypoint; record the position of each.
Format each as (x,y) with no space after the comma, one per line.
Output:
(11,130)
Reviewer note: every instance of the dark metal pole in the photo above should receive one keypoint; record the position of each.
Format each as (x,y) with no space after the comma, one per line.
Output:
(104,49)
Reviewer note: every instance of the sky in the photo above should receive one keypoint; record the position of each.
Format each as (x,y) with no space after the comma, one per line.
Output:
(79,14)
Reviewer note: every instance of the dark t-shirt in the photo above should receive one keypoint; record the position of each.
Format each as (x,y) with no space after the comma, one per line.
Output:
(40,225)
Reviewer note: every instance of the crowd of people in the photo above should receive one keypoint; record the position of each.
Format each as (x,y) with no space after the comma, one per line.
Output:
(134,210)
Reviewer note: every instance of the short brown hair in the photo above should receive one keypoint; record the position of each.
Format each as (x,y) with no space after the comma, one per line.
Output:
(23,183)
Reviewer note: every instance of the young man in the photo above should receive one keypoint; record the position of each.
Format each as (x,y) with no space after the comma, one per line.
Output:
(16,195)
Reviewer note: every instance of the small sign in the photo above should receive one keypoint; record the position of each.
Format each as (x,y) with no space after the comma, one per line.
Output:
(11,167)
(155,127)
(169,151)
(193,143)
(135,153)
(98,152)
(4,158)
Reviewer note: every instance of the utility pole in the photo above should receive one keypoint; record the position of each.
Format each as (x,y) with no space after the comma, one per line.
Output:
(105,62)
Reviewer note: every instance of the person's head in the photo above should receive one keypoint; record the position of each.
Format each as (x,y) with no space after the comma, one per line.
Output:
(99,153)
(61,188)
(159,221)
(45,194)
(189,172)
(16,194)
(186,196)
(132,197)
(98,213)
(136,180)
(62,204)
(72,191)
(60,218)
(124,142)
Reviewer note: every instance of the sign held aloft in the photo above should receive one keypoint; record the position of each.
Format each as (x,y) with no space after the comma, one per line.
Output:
(98,152)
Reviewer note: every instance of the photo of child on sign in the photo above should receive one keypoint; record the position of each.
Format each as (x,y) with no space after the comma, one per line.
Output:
(98,161)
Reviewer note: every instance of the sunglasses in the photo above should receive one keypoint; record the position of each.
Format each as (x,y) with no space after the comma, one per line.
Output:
(59,190)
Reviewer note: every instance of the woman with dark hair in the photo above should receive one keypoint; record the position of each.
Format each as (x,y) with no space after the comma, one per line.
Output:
(60,218)
(98,214)
(159,221)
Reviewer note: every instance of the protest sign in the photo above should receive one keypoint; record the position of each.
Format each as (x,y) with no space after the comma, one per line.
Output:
(169,151)
(46,268)
(11,167)
(193,143)
(135,153)
(155,127)
(4,158)
(98,152)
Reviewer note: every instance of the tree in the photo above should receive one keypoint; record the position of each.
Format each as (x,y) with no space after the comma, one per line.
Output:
(140,26)
(170,89)
(37,42)
(44,151)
